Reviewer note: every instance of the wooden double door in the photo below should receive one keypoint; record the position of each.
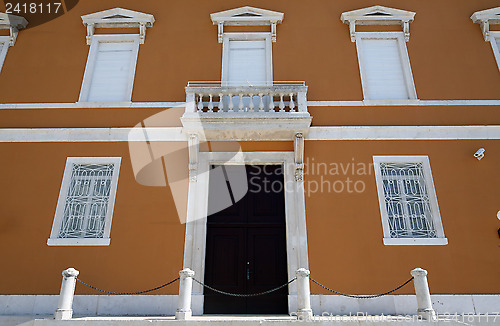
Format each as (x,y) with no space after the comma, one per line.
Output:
(246,247)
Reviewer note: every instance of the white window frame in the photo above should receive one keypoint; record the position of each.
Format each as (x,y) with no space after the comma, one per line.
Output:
(61,202)
(495,44)
(4,49)
(405,61)
(89,68)
(227,37)
(436,216)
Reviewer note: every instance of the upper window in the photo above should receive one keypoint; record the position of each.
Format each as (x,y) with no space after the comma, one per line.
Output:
(110,70)
(13,24)
(485,18)
(408,202)
(383,58)
(384,66)
(86,200)
(247,57)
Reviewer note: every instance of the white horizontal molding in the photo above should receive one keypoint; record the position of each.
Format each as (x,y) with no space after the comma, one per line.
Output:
(153,105)
(404,132)
(315,133)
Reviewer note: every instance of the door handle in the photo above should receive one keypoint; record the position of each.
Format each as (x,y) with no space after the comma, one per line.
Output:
(248,270)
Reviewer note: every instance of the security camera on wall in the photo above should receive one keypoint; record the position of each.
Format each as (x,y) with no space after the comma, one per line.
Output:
(479,154)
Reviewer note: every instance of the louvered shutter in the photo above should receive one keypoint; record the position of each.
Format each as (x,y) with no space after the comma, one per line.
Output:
(382,66)
(247,63)
(112,72)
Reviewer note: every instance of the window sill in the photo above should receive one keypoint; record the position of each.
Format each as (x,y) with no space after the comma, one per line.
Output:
(79,242)
(416,241)
(401,102)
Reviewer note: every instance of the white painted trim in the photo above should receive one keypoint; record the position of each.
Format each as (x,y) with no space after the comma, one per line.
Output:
(228,37)
(153,105)
(404,132)
(403,54)
(403,103)
(3,49)
(431,192)
(296,234)
(495,45)
(94,48)
(41,135)
(416,241)
(105,240)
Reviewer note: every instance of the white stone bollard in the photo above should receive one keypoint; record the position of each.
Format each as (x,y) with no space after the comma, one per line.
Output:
(304,311)
(424,302)
(65,305)
(184,301)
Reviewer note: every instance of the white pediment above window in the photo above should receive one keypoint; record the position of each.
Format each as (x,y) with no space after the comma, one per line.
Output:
(247,16)
(118,18)
(485,18)
(13,24)
(378,15)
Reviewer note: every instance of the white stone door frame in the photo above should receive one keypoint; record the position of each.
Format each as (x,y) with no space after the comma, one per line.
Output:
(295,215)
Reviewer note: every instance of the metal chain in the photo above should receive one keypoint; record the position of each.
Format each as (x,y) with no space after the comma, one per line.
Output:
(126,293)
(244,295)
(362,296)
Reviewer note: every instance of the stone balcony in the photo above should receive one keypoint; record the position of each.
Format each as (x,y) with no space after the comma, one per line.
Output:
(271,111)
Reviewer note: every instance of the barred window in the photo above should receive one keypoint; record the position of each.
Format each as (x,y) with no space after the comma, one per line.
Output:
(84,210)
(408,203)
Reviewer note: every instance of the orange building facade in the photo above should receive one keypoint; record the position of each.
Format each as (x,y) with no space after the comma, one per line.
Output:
(127,141)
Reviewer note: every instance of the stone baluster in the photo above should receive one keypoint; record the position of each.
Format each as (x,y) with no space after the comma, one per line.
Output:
(200,103)
(210,104)
(261,102)
(251,106)
(271,102)
(231,105)
(221,103)
(292,103)
(282,104)
(240,105)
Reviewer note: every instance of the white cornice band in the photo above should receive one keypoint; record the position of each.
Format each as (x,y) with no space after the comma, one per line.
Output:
(316,133)
(156,105)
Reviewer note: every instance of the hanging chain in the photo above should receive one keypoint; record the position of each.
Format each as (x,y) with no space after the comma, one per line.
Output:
(244,295)
(362,296)
(126,293)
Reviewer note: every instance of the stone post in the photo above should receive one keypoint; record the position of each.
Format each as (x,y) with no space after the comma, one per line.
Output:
(65,305)
(185,288)
(424,302)
(304,311)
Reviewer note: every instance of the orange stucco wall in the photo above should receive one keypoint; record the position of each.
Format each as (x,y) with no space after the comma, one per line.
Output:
(48,61)
(344,228)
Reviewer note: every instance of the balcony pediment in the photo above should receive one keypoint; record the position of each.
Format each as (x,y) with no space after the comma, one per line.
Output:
(267,112)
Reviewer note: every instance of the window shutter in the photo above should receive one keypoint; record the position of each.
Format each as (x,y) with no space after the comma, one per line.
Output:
(383,70)
(111,74)
(247,62)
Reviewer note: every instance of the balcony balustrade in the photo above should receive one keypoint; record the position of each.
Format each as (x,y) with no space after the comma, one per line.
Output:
(220,97)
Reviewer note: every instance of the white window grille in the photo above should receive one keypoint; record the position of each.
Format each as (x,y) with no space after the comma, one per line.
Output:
(85,206)
(408,203)
(384,66)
